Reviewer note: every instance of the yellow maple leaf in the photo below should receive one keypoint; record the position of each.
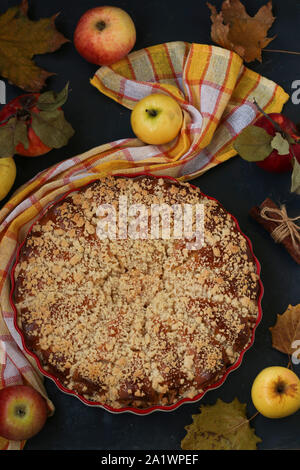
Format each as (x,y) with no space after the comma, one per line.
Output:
(222,426)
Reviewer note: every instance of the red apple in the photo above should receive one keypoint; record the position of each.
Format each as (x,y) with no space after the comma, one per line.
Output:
(104,35)
(275,162)
(22,106)
(23,412)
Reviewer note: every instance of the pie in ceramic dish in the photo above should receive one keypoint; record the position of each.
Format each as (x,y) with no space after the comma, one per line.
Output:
(135,322)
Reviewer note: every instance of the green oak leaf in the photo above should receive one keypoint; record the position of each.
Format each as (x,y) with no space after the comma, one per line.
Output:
(222,426)
(52,128)
(253,144)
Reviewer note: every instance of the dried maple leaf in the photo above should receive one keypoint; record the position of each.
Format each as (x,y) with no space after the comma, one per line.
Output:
(286,330)
(222,426)
(20,40)
(234,29)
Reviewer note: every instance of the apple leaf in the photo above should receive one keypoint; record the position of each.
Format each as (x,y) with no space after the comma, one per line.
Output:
(11,134)
(280,144)
(50,100)
(295,186)
(20,40)
(286,330)
(253,144)
(235,30)
(222,426)
(20,134)
(52,128)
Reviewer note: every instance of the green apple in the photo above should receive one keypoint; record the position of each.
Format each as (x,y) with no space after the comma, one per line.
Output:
(156,119)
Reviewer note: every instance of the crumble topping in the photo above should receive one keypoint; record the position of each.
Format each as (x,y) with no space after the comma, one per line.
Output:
(135,321)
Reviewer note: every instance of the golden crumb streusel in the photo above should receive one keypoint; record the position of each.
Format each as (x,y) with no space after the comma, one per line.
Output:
(135,322)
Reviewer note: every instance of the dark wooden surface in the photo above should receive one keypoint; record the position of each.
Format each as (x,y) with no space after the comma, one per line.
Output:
(238,185)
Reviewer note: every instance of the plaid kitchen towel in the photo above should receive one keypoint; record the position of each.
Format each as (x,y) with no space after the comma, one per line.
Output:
(216,94)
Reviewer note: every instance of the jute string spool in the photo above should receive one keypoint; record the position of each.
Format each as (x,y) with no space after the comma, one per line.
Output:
(287,226)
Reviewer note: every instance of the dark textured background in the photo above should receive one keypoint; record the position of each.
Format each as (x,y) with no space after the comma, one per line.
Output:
(238,185)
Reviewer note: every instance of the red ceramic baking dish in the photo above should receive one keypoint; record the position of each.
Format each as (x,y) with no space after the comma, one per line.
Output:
(129,409)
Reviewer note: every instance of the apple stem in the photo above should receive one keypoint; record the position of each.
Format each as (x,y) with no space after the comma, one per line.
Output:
(21,412)
(290,365)
(280,388)
(151,112)
(275,124)
(101,25)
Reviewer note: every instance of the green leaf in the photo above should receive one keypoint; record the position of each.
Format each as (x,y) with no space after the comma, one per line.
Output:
(253,144)
(6,138)
(21,134)
(12,133)
(223,426)
(280,144)
(290,139)
(295,186)
(52,128)
(50,101)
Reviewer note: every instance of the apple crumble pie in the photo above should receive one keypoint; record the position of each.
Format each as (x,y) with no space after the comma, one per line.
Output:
(135,322)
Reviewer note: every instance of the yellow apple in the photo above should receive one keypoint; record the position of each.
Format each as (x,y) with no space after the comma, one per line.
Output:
(156,119)
(276,392)
(7,175)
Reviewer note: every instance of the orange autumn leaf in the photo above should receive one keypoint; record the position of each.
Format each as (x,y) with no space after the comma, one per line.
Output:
(286,330)
(20,40)
(234,29)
